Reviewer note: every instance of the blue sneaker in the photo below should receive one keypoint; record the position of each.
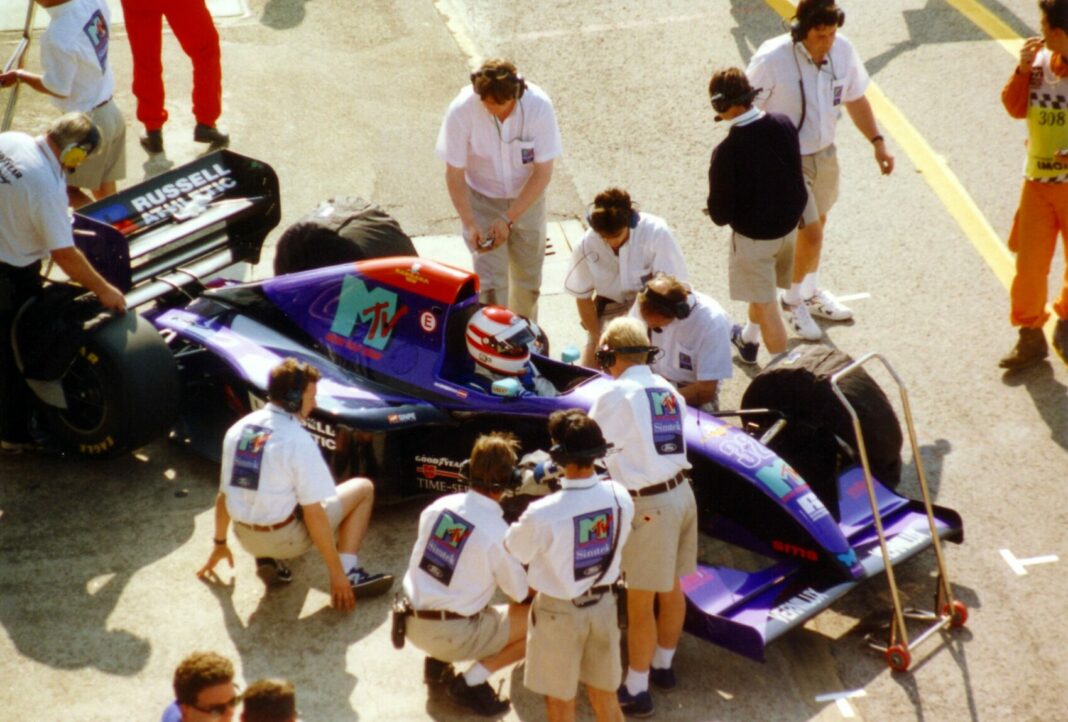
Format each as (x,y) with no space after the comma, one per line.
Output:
(663,678)
(747,352)
(635,705)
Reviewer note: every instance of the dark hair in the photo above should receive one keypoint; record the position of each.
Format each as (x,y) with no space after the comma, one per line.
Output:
(1056,12)
(814,14)
(732,84)
(497,79)
(288,376)
(611,212)
(269,700)
(493,458)
(573,431)
(664,288)
(199,671)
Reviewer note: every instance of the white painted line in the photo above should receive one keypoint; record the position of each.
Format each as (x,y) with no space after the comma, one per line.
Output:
(454,22)
(1020,565)
(841,700)
(601,28)
(13,13)
(854,296)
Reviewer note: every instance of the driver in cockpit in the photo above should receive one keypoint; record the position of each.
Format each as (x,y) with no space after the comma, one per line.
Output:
(499,342)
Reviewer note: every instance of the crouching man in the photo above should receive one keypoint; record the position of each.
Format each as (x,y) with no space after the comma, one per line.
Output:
(279,492)
(457,564)
(572,541)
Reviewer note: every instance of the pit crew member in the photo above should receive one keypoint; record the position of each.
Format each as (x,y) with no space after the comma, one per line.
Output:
(278,491)
(499,140)
(572,542)
(456,565)
(622,249)
(203,690)
(642,416)
(499,342)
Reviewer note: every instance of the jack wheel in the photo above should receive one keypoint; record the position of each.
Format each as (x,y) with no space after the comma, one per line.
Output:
(898,658)
(957,612)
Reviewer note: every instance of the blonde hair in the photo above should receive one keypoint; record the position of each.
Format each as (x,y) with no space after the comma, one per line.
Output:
(624,332)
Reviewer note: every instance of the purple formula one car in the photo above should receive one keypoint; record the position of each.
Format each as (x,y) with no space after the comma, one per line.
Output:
(393,404)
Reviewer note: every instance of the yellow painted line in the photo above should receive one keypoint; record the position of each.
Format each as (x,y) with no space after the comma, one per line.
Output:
(990,24)
(939,177)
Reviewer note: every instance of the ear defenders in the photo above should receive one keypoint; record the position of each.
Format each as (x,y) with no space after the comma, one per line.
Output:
(74,154)
(593,207)
(515,478)
(562,455)
(606,355)
(516,79)
(676,309)
(294,398)
(821,8)
(722,103)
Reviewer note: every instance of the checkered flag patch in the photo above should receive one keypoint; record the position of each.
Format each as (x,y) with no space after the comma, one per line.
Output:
(1048,100)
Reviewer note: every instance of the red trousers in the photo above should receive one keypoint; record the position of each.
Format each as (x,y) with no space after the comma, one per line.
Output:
(195,30)
(1042,214)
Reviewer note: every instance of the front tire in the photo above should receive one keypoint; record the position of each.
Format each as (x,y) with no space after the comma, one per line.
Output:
(121,391)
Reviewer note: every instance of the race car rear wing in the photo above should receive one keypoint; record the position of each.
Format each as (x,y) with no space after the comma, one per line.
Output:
(180,227)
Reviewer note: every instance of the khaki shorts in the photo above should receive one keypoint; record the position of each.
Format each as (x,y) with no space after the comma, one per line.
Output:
(821,179)
(567,645)
(108,163)
(457,640)
(510,275)
(290,541)
(757,267)
(662,545)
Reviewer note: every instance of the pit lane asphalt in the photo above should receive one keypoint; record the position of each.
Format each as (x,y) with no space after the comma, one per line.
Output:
(98,600)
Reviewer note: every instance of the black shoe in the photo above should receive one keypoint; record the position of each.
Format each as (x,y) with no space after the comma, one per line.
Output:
(369,585)
(1060,339)
(635,705)
(480,699)
(747,350)
(663,678)
(1030,349)
(211,134)
(272,571)
(436,671)
(152,141)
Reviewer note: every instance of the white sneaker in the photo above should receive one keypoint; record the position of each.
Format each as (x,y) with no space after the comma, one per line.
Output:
(825,305)
(801,321)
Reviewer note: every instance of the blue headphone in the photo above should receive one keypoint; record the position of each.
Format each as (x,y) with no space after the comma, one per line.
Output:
(591,208)
(293,399)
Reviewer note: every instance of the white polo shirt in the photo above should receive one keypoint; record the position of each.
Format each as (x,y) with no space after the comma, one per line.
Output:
(33,201)
(459,558)
(566,537)
(643,416)
(776,67)
(695,348)
(74,55)
(650,248)
(498,158)
(270,464)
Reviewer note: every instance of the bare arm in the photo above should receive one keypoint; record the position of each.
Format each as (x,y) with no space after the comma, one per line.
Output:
(222,526)
(587,312)
(78,269)
(461,201)
(341,595)
(532,191)
(863,117)
(31,79)
(699,392)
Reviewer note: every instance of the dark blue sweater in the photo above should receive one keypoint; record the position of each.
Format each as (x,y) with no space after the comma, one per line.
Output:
(755,183)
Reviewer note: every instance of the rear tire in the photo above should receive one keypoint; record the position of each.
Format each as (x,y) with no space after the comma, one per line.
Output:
(121,389)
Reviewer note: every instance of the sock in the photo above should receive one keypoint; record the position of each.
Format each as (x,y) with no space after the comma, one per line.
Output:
(750,334)
(476,675)
(662,657)
(349,562)
(809,284)
(793,294)
(637,682)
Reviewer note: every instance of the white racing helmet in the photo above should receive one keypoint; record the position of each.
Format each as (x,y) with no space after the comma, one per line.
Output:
(499,340)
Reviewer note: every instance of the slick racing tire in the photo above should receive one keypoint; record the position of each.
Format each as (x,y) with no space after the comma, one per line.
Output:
(121,391)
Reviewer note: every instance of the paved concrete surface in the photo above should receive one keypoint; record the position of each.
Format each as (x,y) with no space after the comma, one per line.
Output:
(98,600)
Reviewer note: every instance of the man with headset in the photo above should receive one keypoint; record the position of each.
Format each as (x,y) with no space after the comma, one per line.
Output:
(276,488)
(499,140)
(694,334)
(643,417)
(807,75)
(621,250)
(756,186)
(456,565)
(34,225)
(572,541)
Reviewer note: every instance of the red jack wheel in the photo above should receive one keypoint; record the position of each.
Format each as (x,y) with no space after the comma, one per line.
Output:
(958,612)
(898,658)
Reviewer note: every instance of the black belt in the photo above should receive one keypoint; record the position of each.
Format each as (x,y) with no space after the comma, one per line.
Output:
(592,595)
(101,104)
(660,488)
(440,615)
